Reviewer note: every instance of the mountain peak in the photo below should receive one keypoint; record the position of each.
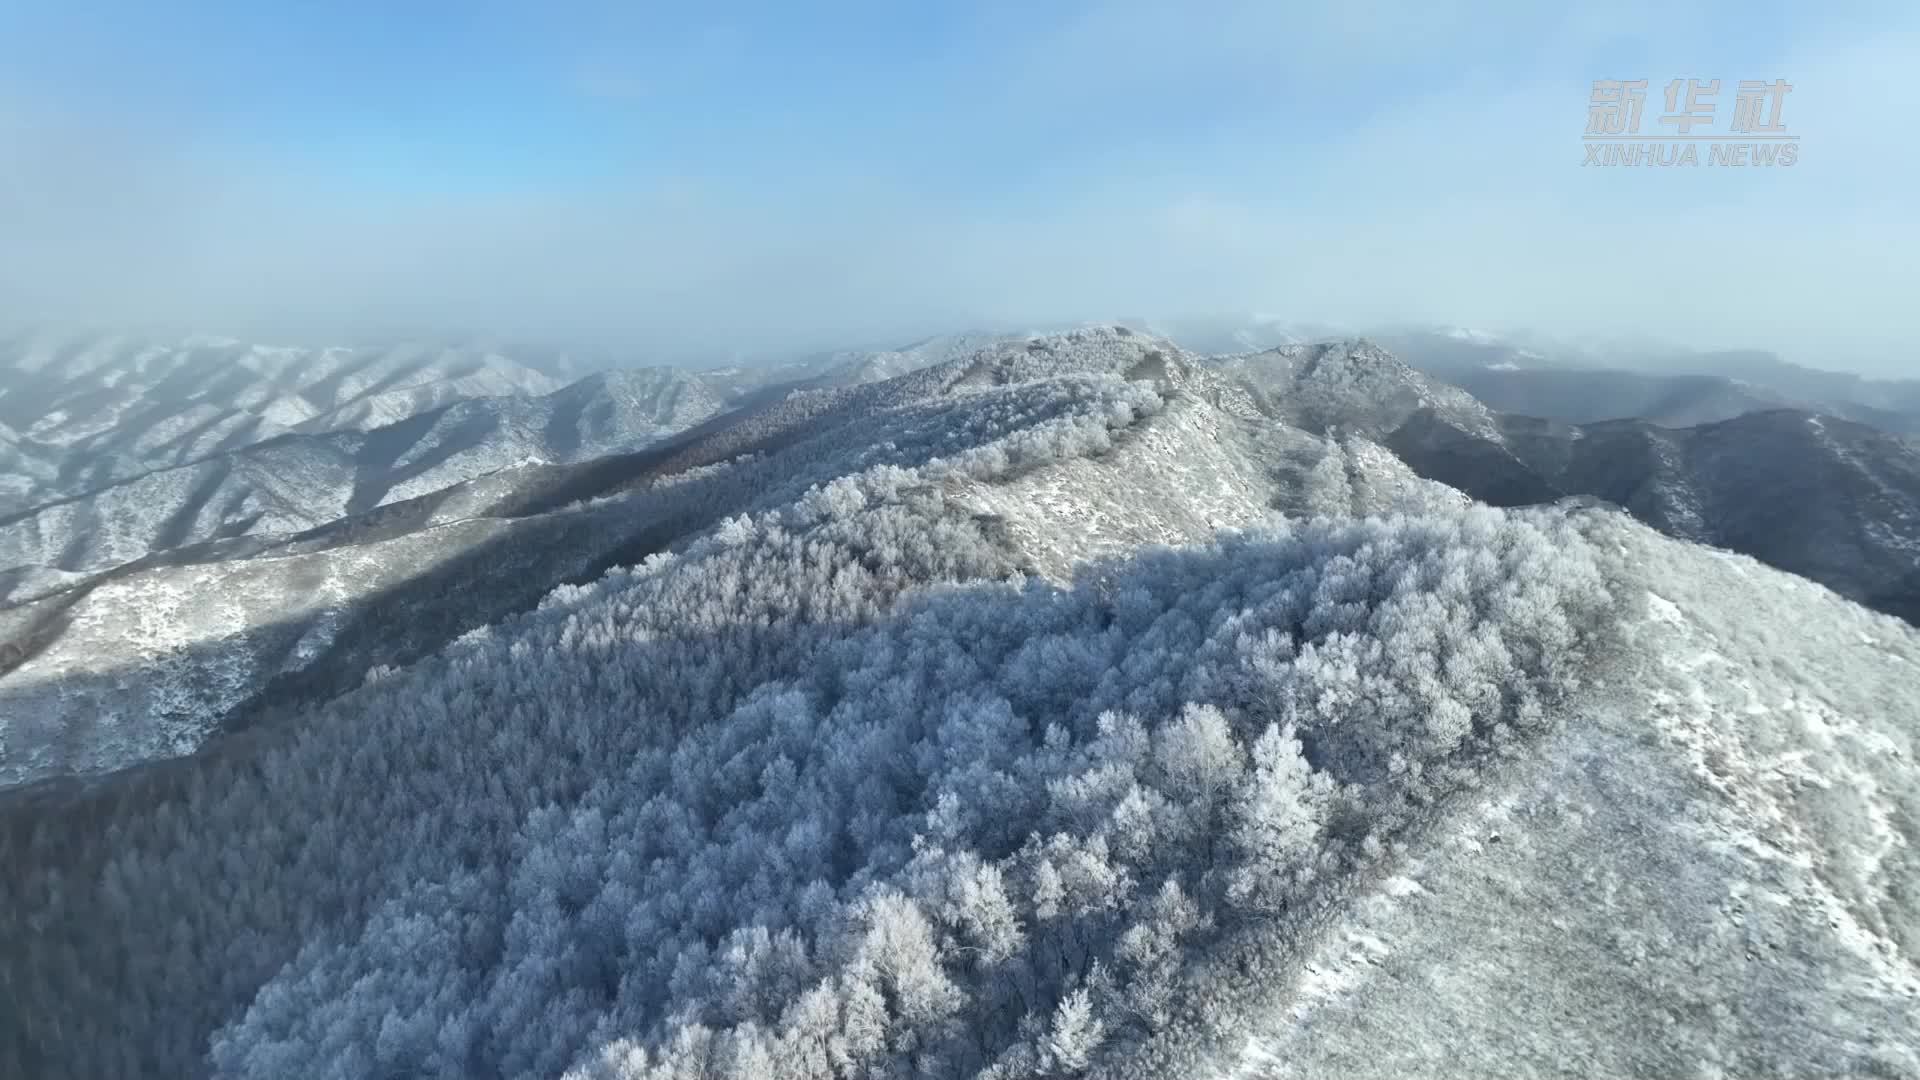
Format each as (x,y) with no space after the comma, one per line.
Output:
(1357,360)
(1353,385)
(1098,350)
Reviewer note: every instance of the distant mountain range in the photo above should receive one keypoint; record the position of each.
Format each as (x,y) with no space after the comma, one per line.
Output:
(1822,388)
(307,438)
(1830,499)
(296,481)
(1356,387)
(101,409)
(1666,386)
(1583,395)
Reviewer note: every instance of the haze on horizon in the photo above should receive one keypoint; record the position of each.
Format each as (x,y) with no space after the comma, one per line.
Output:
(751,176)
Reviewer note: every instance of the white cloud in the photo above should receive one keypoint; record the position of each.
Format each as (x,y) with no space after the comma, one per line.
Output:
(1459,199)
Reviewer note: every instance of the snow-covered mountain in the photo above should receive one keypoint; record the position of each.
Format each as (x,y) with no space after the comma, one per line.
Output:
(1808,381)
(1070,707)
(1583,395)
(316,611)
(1581,380)
(304,477)
(1834,501)
(1705,869)
(1835,392)
(1449,352)
(295,481)
(1355,386)
(853,366)
(107,408)
(1587,381)
(1216,335)
(24,467)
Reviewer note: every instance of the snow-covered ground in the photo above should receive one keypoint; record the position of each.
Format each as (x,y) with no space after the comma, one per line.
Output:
(1709,869)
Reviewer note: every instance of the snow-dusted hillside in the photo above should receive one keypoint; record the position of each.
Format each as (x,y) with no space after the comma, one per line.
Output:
(1709,869)
(852,367)
(24,468)
(1842,393)
(1589,380)
(108,408)
(1584,380)
(135,448)
(1450,352)
(1832,500)
(298,482)
(1217,335)
(848,367)
(1354,386)
(1582,396)
(1836,501)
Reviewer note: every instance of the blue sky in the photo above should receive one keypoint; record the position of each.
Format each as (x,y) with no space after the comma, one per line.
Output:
(745,174)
